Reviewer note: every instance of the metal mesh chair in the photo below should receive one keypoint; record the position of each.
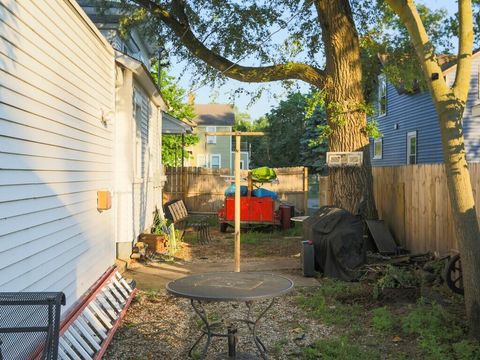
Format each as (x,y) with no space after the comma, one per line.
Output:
(29,324)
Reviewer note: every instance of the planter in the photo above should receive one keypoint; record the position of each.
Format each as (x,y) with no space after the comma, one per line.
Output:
(156,243)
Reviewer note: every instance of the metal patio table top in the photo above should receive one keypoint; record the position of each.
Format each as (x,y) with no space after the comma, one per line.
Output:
(230,286)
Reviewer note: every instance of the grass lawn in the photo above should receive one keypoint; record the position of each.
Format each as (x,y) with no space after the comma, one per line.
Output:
(365,328)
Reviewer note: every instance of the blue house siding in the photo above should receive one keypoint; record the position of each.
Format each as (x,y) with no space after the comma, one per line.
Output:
(407,113)
(416,112)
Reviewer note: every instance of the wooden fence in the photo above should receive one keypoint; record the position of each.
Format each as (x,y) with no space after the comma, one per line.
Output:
(413,200)
(204,188)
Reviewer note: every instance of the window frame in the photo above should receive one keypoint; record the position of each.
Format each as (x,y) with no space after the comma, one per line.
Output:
(382,83)
(412,135)
(211,139)
(375,142)
(219,161)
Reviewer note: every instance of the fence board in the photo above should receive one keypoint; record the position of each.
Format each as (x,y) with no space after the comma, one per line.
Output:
(204,188)
(414,202)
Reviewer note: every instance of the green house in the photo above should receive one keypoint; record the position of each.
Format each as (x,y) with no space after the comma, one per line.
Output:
(215,151)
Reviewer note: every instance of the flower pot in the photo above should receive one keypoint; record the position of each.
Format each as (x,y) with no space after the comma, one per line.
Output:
(156,243)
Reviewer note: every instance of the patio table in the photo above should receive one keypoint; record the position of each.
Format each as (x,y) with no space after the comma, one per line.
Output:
(230,287)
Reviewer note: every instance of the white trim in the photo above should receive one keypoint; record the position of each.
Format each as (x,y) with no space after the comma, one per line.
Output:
(137,141)
(375,142)
(219,161)
(212,139)
(411,135)
(91,26)
(381,78)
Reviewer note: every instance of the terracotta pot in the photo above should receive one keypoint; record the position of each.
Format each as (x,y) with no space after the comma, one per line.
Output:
(155,242)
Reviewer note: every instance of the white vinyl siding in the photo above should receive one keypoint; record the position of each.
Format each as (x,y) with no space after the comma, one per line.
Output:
(146,152)
(56,87)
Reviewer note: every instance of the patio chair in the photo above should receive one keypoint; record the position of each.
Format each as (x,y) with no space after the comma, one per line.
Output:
(177,212)
(29,325)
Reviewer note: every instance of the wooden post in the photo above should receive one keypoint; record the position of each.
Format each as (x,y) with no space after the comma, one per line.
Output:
(305,189)
(238,135)
(237,203)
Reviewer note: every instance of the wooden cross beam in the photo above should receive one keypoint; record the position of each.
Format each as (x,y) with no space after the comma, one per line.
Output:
(238,135)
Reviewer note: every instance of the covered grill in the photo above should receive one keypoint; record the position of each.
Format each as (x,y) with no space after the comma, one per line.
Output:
(337,236)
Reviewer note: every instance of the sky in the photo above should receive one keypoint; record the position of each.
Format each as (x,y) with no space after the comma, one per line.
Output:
(273,93)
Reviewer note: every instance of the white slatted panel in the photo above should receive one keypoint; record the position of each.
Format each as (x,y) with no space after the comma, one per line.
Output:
(85,337)
(57,78)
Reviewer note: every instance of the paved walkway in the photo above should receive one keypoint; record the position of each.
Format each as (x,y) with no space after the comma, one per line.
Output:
(157,275)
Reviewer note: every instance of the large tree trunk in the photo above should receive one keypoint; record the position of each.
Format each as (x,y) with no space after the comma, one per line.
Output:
(343,102)
(450,105)
(463,204)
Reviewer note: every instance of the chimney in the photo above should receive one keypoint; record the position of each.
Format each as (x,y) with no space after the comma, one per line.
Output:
(191,98)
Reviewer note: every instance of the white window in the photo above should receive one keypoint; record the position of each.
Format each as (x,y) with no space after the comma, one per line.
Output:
(382,95)
(215,161)
(201,160)
(212,139)
(378,148)
(412,147)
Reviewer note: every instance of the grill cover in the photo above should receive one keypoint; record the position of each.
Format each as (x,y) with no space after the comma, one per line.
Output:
(337,236)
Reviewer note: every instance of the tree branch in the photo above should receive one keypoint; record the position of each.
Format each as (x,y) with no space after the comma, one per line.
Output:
(408,13)
(464,58)
(182,30)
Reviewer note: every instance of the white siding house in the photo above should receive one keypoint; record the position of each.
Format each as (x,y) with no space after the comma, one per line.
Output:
(138,152)
(76,117)
(57,87)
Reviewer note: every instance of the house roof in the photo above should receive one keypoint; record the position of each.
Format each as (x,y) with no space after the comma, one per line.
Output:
(214,115)
(452,64)
(173,126)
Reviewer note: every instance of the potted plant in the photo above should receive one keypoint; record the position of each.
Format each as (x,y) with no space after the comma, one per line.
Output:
(157,240)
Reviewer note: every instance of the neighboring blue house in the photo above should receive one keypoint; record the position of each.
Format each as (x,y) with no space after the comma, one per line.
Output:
(409,123)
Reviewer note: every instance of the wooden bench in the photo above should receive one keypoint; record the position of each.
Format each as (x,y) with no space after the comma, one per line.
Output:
(177,212)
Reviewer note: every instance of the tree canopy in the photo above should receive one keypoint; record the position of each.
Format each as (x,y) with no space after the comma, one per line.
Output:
(176,106)
(293,136)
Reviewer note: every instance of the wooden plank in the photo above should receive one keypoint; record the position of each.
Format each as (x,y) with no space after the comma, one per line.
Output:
(79,337)
(88,332)
(67,348)
(95,323)
(77,346)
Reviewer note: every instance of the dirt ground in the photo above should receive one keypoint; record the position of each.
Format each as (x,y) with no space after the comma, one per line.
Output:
(320,319)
